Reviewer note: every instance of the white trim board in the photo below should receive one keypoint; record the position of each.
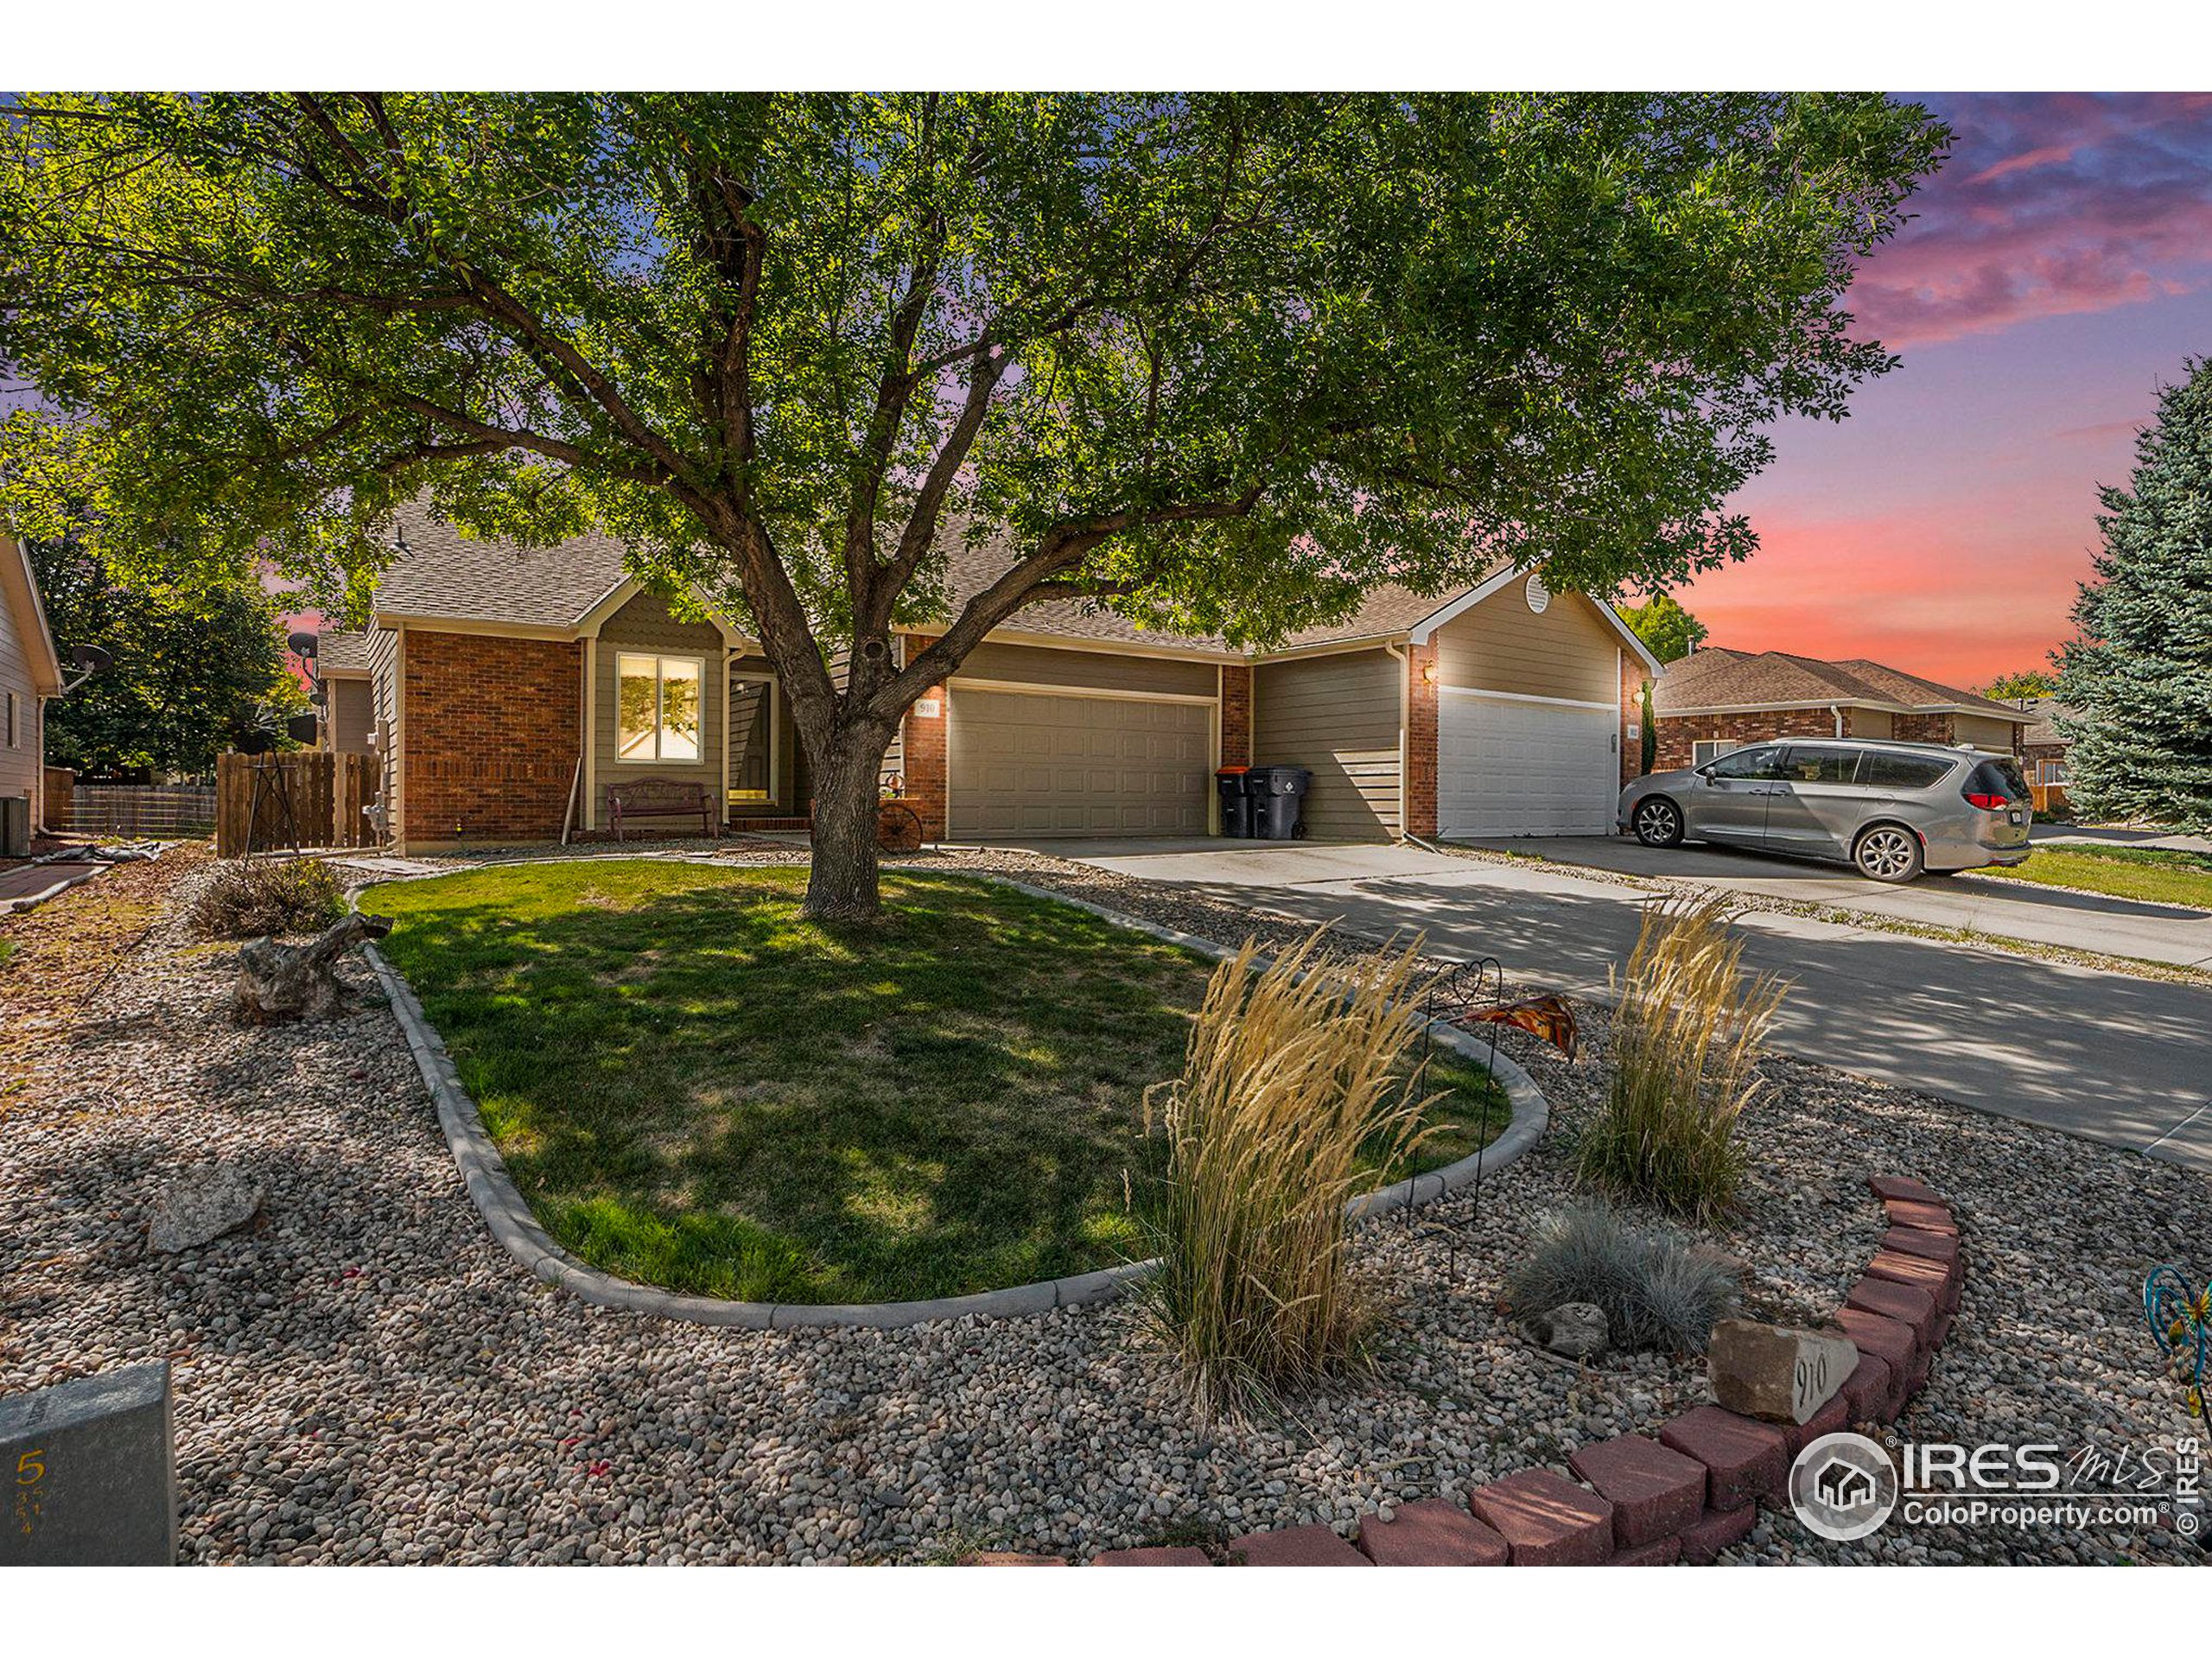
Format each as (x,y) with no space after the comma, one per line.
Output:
(1522,696)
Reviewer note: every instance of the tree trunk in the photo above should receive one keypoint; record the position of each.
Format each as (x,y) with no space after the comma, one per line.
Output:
(842,884)
(278,983)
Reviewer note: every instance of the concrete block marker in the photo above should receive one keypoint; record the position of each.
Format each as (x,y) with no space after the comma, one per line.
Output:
(1655,1491)
(1431,1533)
(1548,1522)
(1746,1461)
(1296,1546)
(89,1468)
(1776,1371)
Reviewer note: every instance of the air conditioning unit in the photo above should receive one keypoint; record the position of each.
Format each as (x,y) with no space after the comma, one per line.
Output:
(14,826)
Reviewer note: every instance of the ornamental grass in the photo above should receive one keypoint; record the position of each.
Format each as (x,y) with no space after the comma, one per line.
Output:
(1294,1089)
(1685,1048)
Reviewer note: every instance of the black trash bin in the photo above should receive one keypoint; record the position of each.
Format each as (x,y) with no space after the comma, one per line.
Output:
(1278,797)
(1236,802)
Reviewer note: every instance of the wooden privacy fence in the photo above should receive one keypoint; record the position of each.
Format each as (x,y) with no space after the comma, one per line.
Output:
(310,799)
(159,812)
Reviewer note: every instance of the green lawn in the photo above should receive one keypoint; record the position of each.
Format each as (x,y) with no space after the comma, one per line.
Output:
(2157,875)
(696,1088)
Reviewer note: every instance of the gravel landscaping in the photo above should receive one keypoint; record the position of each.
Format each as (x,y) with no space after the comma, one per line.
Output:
(366,1376)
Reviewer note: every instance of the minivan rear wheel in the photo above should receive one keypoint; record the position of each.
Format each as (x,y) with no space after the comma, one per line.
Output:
(1658,821)
(1889,853)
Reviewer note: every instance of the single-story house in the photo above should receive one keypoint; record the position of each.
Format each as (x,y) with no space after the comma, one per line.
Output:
(345,724)
(1715,700)
(30,672)
(509,687)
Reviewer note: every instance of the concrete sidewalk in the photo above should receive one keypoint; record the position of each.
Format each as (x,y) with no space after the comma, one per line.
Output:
(2112,1056)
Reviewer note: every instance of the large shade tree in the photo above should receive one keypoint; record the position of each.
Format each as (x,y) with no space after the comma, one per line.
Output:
(1216,362)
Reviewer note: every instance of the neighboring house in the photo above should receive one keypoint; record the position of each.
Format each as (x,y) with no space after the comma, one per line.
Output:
(1714,700)
(346,722)
(2043,746)
(30,672)
(510,687)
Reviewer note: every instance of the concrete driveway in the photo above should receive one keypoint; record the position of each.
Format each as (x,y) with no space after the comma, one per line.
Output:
(2111,1056)
(2009,910)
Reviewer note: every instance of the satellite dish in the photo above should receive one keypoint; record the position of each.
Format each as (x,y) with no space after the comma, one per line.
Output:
(318,698)
(302,644)
(90,658)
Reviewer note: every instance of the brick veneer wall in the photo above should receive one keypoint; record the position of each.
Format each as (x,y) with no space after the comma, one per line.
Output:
(1923,728)
(1236,716)
(1421,739)
(923,749)
(1680,733)
(491,732)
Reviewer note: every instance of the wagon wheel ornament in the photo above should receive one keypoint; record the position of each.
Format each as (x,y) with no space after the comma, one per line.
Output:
(2181,1324)
(897,829)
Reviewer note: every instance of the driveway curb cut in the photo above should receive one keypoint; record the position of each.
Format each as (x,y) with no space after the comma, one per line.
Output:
(484,1173)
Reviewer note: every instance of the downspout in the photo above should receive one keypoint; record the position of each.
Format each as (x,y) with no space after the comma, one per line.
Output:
(1836,708)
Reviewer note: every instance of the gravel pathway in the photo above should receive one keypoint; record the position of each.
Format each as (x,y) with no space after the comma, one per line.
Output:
(367,1376)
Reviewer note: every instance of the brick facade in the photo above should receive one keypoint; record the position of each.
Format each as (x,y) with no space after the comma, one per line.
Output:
(1680,733)
(922,748)
(1923,728)
(1420,740)
(491,728)
(1236,716)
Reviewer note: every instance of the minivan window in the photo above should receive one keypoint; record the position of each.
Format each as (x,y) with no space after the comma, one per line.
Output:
(1998,776)
(1748,763)
(1807,763)
(1890,769)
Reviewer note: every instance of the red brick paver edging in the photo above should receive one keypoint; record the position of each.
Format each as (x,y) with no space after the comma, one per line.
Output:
(1696,1489)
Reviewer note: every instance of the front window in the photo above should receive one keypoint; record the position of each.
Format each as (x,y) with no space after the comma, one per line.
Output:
(657,703)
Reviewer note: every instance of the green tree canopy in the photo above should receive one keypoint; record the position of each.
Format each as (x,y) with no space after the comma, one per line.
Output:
(1218,362)
(1663,625)
(2138,679)
(2023,682)
(194,671)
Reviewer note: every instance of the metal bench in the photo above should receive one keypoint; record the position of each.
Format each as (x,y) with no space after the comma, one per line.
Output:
(659,797)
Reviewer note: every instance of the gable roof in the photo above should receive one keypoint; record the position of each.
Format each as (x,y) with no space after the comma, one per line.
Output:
(2042,713)
(445,576)
(19,590)
(1714,679)
(969,570)
(342,653)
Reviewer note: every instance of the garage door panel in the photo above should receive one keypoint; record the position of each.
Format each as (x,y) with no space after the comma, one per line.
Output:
(1027,764)
(1510,767)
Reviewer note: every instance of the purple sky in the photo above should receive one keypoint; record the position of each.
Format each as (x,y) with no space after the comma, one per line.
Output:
(2059,270)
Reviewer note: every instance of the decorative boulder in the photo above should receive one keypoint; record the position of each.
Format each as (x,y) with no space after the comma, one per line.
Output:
(1575,1329)
(1775,1372)
(201,1205)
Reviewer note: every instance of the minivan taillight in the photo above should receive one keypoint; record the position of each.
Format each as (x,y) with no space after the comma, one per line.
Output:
(1987,803)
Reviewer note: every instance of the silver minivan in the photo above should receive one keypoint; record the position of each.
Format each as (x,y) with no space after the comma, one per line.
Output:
(1891,808)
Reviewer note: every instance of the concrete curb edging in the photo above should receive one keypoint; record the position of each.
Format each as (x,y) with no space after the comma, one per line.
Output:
(505,1211)
(1727,1467)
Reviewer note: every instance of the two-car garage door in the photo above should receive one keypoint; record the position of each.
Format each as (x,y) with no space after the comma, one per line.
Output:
(1024,764)
(1524,767)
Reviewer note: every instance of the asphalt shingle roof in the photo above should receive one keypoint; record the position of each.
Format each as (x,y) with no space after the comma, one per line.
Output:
(344,652)
(2041,712)
(445,575)
(1715,677)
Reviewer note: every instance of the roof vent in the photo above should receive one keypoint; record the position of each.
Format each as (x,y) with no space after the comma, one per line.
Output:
(1537,595)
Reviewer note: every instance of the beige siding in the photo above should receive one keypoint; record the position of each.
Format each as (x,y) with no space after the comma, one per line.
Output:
(646,625)
(1984,733)
(791,784)
(384,716)
(1100,670)
(1340,715)
(1564,650)
(19,761)
(353,716)
(1871,722)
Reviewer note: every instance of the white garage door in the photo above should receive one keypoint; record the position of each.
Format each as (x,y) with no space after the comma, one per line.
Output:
(1510,767)
(1024,764)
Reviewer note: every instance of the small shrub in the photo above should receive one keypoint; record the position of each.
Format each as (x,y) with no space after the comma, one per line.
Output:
(1286,1078)
(1658,1289)
(1685,1044)
(247,898)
